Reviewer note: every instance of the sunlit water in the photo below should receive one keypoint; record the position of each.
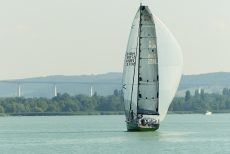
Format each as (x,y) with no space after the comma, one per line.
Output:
(198,134)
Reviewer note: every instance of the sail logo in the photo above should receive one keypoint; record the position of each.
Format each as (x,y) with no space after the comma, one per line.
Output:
(130,59)
(152,58)
(152,44)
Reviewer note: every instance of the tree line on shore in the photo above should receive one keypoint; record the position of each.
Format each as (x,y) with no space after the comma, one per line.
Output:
(201,102)
(64,103)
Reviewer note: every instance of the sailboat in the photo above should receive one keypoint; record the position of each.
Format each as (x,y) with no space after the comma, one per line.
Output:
(208,113)
(151,73)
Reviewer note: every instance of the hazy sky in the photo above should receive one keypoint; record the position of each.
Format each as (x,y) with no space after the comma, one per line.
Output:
(73,37)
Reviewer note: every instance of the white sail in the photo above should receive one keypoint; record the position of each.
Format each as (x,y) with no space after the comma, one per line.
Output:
(170,66)
(130,77)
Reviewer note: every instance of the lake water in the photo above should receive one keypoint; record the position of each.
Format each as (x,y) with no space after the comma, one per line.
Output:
(178,134)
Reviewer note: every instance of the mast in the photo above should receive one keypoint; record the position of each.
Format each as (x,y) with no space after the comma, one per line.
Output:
(139,50)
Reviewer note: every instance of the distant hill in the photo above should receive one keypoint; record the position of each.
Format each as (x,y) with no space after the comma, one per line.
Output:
(111,81)
(220,79)
(211,82)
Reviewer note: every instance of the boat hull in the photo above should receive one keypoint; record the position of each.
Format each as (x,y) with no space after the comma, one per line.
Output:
(133,127)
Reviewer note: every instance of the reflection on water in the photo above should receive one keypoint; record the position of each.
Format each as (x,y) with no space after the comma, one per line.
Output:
(107,134)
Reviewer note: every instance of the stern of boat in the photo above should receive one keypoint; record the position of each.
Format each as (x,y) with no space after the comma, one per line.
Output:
(144,123)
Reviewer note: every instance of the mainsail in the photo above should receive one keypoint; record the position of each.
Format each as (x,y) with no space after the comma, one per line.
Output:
(152,71)
(148,77)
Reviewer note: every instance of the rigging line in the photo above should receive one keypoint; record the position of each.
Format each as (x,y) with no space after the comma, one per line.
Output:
(158,87)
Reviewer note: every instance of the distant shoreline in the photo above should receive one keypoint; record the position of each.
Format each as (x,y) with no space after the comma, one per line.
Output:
(95,113)
(63,113)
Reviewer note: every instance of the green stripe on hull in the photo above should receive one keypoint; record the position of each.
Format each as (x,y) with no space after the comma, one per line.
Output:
(132,127)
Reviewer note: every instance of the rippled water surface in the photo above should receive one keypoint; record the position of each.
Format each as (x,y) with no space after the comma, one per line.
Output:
(198,134)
